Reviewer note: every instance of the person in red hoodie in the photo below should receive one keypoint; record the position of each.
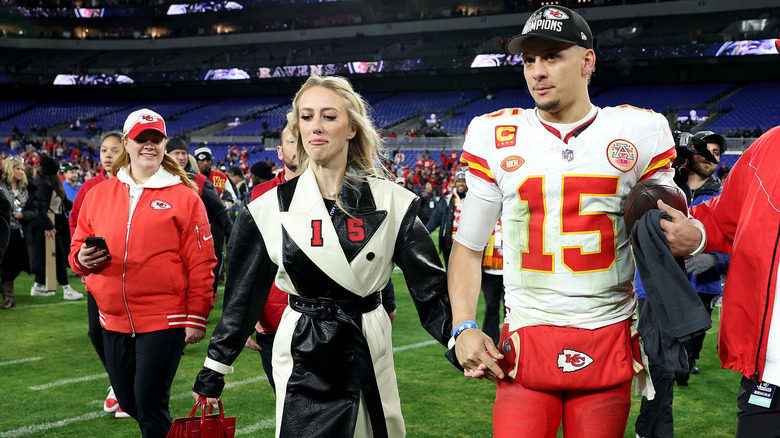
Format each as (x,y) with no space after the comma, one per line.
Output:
(110,148)
(153,282)
(277,300)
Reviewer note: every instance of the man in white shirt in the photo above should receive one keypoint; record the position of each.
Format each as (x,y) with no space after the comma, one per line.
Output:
(557,175)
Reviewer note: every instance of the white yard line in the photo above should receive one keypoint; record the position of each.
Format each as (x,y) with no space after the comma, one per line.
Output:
(36,428)
(59,303)
(69,381)
(413,346)
(269,423)
(14,362)
(229,385)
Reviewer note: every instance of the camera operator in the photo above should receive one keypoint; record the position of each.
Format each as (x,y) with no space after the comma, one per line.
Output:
(705,270)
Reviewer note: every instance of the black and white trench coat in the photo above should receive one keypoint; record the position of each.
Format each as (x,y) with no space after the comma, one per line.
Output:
(332,355)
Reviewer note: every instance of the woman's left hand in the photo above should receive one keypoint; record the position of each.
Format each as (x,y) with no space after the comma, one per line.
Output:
(193,335)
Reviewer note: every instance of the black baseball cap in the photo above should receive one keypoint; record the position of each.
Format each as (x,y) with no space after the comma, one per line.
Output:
(553,23)
(713,137)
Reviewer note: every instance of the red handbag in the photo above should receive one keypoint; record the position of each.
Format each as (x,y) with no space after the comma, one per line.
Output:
(207,425)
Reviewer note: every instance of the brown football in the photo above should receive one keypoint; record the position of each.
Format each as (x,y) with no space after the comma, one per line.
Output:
(644,197)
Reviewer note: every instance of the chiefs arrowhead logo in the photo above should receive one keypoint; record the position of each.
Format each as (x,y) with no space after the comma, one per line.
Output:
(512,163)
(573,360)
(147,118)
(160,205)
(555,14)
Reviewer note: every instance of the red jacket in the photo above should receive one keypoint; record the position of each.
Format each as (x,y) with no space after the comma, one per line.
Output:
(743,222)
(277,300)
(218,179)
(160,275)
(74,211)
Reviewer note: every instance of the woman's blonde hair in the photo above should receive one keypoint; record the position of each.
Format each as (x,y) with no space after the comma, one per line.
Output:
(168,163)
(365,149)
(8,171)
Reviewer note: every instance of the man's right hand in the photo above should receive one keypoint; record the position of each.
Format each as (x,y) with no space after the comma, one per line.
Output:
(478,355)
(682,235)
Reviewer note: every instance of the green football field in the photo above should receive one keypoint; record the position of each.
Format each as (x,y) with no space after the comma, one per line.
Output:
(54,385)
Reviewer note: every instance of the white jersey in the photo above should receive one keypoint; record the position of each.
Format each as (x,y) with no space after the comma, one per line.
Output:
(567,257)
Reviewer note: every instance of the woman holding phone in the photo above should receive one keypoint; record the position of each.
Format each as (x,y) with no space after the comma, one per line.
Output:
(152,279)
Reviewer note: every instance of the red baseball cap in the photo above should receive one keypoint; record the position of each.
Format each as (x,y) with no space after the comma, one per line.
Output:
(141,120)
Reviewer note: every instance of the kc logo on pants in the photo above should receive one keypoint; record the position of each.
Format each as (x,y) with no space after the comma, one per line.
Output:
(573,360)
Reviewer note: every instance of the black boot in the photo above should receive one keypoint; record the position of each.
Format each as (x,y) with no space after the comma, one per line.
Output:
(9,297)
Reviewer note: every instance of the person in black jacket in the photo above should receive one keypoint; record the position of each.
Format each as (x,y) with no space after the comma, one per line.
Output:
(5,227)
(50,196)
(428,200)
(329,238)
(215,209)
(15,188)
(446,215)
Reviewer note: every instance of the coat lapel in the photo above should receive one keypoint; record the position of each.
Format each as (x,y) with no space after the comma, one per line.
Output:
(356,232)
(308,216)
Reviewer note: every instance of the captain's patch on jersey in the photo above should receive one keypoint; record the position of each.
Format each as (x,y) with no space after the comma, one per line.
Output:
(622,155)
(512,163)
(573,360)
(505,136)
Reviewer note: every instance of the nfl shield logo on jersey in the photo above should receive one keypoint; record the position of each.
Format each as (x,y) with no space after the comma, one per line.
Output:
(573,360)
(567,154)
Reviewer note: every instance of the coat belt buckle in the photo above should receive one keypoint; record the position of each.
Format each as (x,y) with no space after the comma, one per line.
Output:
(326,306)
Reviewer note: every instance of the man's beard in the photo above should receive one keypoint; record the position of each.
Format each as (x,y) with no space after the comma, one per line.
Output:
(288,163)
(702,171)
(549,106)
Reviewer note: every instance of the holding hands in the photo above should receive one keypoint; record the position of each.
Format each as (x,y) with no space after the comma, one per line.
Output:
(478,355)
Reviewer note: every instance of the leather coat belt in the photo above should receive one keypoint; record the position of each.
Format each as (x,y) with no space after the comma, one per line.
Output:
(327,306)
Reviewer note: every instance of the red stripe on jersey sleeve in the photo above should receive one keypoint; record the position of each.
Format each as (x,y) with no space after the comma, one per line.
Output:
(478,167)
(661,161)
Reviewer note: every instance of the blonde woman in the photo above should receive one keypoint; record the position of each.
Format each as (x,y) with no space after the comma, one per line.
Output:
(153,282)
(15,187)
(329,239)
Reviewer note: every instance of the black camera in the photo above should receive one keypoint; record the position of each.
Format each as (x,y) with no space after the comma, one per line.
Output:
(688,145)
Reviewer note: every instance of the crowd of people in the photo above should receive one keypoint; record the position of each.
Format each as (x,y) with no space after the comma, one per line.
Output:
(530,215)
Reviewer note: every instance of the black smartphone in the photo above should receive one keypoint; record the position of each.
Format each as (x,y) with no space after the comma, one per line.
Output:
(96,242)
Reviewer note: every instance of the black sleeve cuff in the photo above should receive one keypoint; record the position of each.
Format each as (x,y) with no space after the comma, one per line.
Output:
(209,383)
